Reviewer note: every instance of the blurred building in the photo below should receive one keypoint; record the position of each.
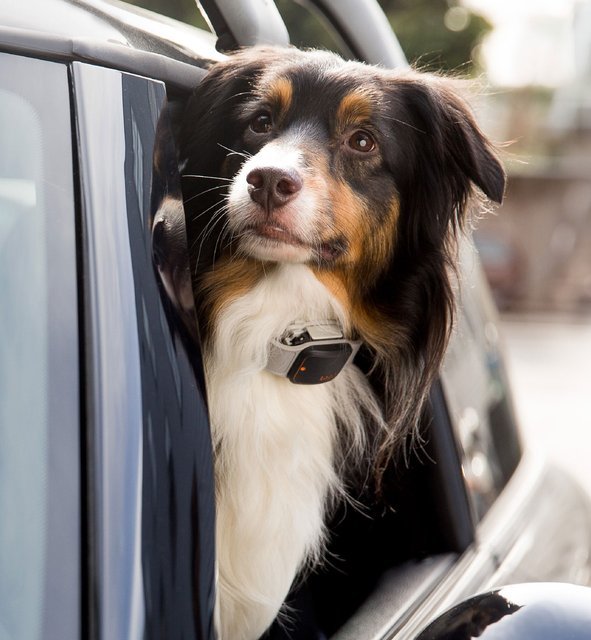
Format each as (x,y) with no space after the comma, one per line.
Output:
(537,248)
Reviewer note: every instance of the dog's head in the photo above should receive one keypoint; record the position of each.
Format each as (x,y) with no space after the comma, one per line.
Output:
(335,162)
(362,173)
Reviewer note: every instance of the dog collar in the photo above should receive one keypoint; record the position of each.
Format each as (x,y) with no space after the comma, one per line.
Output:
(311,352)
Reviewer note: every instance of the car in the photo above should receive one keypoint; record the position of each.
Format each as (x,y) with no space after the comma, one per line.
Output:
(106,466)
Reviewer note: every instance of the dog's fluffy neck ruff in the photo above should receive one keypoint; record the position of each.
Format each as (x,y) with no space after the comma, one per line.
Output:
(279,446)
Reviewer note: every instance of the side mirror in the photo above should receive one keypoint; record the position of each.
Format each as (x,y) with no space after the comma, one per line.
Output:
(536,611)
(244,23)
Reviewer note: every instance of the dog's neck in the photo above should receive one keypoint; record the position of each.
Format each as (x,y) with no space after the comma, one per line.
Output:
(282,295)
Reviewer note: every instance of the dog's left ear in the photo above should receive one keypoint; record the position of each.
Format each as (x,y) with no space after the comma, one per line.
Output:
(470,148)
(446,139)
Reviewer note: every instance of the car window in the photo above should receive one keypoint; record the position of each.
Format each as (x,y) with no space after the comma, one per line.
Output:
(39,442)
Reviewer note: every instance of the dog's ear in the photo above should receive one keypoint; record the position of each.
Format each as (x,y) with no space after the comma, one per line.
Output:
(466,144)
(448,153)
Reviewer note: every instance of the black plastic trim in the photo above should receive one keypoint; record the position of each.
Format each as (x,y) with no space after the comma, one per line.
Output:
(87,623)
(226,39)
(457,513)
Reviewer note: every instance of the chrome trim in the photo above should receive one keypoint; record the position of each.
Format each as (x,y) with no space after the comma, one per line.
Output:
(522,506)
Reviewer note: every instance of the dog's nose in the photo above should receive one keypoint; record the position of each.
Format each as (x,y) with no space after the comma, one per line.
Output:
(272,188)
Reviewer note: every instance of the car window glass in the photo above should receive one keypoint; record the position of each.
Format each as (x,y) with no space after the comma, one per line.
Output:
(39,522)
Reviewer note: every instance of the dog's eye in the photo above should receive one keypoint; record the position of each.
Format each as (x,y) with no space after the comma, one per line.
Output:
(261,123)
(361,141)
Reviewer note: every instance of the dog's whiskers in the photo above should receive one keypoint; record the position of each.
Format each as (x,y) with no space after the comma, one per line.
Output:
(231,239)
(406,124)
(220,236)
(216,217)
(198,175)
(210,223)
(197,195)
(233,152)
(215,204)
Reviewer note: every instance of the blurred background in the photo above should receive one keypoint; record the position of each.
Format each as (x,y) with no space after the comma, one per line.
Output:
(531,63)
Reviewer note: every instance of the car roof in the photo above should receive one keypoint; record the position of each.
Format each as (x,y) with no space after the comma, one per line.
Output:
(109,33)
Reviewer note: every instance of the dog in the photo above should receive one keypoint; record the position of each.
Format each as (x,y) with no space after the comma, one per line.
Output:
(323,200)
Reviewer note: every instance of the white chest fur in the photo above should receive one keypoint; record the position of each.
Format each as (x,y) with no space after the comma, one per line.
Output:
(277,448)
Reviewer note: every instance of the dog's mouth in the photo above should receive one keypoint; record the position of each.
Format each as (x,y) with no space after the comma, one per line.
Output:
(278,235)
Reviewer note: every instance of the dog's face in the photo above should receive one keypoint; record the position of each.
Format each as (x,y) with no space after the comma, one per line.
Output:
(316,186)
(327,157)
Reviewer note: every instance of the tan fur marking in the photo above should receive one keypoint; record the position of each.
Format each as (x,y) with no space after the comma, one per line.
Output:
(369,246)
(230,279)
(366,322)
(384,240)
(350,212)
(355,108)
(281,94)
(369,252)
